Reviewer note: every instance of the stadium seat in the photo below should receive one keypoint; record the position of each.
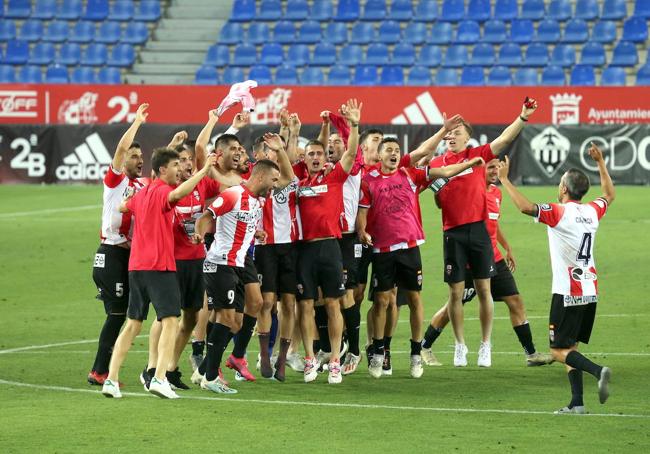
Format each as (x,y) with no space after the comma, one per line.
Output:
(536,55)
(575,31)
(298,55)
(389,32)
(613,76)
(365,75)
(526,77)
(8,74)
(635,29)
(42,54)
(110,75)
(479,10)
(401,10)
(148,11)
(338,75)
(135,33)
(426,11)
(231,33)
(261,74)
(593,54)
(217,55)
(506,10)
(314,76)
(122,55)
(494,32)
(362,33)
(94,55)
(83,75)
(625,54)
(452,10)
(206,75)
(56,74)
(96,10)
(643,75)
(44,10)
(109,32)
(324,54)
(270,10)
(321,10)
(30,75)
(415,33)
(586,9)
(441,33)
(7,30)
(32,30)
(69,54)
(286,75)
(403,54)
(350,55)
(244,55)
(430,55)
(483,55)
(243,11)
(336,33)
(56,32)
(232,75)
(563,55)
(419,76)
(69,10)
(468,32)
(510,55)
(533,10)
(309,33)
(296,10)
(347,10)
(82,32)
(472,76)
(258,33)
(18,9)
(560,10)
(548,31)
(642,9)
(374,10)
(16,52)
(553,76)
(392,75)
(376,54)
(455,57)
(284,32)
(614,10)
(447,77)
(122,10)
(604,32)
(522,31)
(499,76)
(583,75)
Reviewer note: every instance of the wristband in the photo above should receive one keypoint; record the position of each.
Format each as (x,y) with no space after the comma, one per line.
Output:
(523,119)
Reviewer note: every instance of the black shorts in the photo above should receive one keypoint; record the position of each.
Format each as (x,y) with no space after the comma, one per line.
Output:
(468,244)
(364,264)
(402,268)
(351,251)
(320,265)
(276,267)
(225,286)
(501,285)
(111,276)
(160,288)
(190,282)
(250,271)
(570,325)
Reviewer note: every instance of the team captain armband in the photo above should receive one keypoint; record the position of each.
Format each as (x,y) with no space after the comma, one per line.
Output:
(549,213)
(600,205)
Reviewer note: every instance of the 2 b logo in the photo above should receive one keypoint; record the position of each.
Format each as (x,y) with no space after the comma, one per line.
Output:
(33,162)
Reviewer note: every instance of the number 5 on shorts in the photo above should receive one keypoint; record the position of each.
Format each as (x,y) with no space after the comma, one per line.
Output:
(119,289)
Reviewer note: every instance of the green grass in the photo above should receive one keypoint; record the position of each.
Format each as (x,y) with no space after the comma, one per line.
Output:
(47,296)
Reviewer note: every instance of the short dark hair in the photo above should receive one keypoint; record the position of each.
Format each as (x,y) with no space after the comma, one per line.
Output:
(161,157)
(135,145)
(181,148)
(315,142)
(576,183)
(259,144)
(387,140)
(224,139)
(264,165)
(367,132)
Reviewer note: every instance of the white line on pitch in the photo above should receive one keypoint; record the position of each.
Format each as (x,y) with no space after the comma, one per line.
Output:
(48,211)
(59,344)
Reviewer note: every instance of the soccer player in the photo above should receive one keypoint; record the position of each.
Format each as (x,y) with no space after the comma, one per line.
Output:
(110,269)
(502,286)
(572,227)
(463,201)
(152,268)
(389,221)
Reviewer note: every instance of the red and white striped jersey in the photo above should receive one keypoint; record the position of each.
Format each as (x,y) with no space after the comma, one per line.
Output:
(351,194)
(280,218)
(571,235)
(116,226)
(237,212)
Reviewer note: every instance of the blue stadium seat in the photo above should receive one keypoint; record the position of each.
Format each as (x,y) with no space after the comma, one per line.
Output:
(286,75)
(296,10)
(217,55)
(403,54)
(350,55)
(7,30)
(426,11)
(232,75)
(625,54)
(548,31)
(560,10)
(376,54)
(30,75)
(483,55)
(148,11)
(94,55)
(401,10)
(56,74)
(642,9)
(526,77)
(270,10)
(613,76)
(440,33)
(604,32)
(69,10)
(261,74)
(374,10)
(593,53)
(643,75)
(69,54)
(18,9)
(635,29)
(8,74)
(16,52)
(362,33)
(258,33)
(499,76)
(321,10)
(510,55)
(365,75)
(109,32)
(110,75)
(522,31)
(389,32)
(553,76)
(135,33)
(583,75)
(315,76)
(415,33)
(587,9)
(468,32)
(206,75)
(447,77)
(430,55)
(455,57)
(32,30)
(96,10)
(338,75)
(506,10)
(533,10)
(563,55)
(419,76)
(494,32)
(284,32)
(122,10)
(336,33)
(575,31)
(298,55)
(83,75)
(82,32)
(392,75)
(56,31)
(614,10)
(472,76)
(44,10)
(452,10)
(243,11)
(536,55)
(347,10)
(244,55)
(42,54)
(324,54)
(231,33)
(122,55)
(479,10)
(309,33)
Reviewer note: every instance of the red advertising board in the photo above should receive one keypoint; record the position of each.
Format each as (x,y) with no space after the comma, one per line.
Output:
(89,104)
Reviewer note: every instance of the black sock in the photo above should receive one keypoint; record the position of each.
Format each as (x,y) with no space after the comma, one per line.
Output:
(321,325)
(416,347)
(387,340)
(577,361)
(352,318)
(525,337)
(107,337)
(575,379)
(204,364)
(315,345)
(198,347)
(244,336)
(217,342)
(378,347)
(430,336)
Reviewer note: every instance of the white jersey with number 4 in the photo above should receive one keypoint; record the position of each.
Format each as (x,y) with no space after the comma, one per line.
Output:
(571,235)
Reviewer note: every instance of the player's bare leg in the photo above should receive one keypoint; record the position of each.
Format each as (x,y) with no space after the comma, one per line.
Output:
(438,322)
(168,333)
(199,335)
(122,346)
(308,328)
(185,327)
(457,318)
(392,318)
(352,319)
(154,340)
(486,314)
(287,322)
(416,317)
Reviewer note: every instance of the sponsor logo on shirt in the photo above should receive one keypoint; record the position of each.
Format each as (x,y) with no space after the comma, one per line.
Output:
(579,300)
(582,274)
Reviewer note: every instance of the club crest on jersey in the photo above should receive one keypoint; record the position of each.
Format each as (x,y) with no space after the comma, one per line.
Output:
(197,196)
(550,150)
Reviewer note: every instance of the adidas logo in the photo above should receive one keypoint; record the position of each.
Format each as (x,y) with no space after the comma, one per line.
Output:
(89,161)
(423,111)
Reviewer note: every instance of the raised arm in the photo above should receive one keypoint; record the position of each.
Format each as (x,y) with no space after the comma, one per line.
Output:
(239,121)
(178,139)
(606,184)
(521,202)
(204,137)
(274,142)
(511,132)
(188,186)
(324,134)
(352,112)
(294,133)
(454,169)
(127,139)
(429,146)
(284,124)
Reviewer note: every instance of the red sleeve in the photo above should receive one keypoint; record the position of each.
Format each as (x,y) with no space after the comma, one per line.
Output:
(405,161)
(300,170)
(600,205)
(549,213)
(211,188)
(419,175)
(365,200)
(224,203)
(163,192)
(436,162)
(484,151)
(338,175)
(113,178)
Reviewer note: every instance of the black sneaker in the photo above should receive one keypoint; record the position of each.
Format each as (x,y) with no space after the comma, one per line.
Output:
(145,377)
(174,379)
(387,368)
